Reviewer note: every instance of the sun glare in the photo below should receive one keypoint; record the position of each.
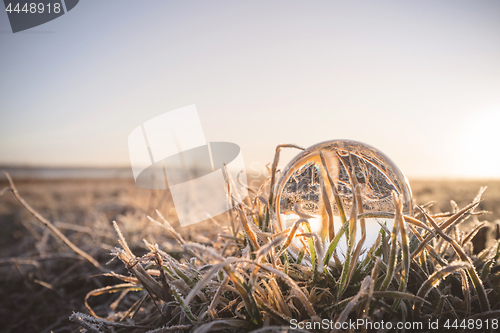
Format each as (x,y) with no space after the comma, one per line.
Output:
(481,142)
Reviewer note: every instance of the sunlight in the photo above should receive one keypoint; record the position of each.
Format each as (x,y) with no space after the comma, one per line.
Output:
(481,135)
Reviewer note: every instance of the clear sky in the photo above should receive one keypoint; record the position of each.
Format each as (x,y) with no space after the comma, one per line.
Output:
(420,80)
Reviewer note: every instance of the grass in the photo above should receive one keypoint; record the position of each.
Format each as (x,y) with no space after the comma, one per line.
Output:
(423,269)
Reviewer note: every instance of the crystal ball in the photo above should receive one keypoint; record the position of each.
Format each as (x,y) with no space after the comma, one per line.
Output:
(350,165)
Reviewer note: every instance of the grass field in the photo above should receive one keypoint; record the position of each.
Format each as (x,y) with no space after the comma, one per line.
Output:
(42,281)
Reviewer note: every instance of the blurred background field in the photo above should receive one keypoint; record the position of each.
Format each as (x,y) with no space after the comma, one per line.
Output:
(42,281)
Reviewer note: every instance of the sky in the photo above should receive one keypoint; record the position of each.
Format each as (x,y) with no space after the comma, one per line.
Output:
(419,80)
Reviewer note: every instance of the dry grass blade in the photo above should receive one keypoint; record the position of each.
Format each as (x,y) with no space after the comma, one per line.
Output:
(272,312)
(51,227)
(5,189)
(266,249)
(479,194)
(307,304)
(291,235)
(108,290)
(18,261)
(466,292)
(230,197)
(310,241)
(207,277)
(431,250)
(434,280)
(392,257)
(357,188)
(371,289)
(215,300)
(384,227)
(250,234)
(473,233)
(318,249)
(338,201)
(405,246)
(478,284)
(253,312)
(176,328)
(128,258)
(184,306)
(363,290)
(205,250)
(97,324)
(169,227)
(88,324)
(346,268)
(300,213)
(221,325)
(122,241)
(283,307)
(485,315)
(275,166)
(446,224)
(408,219)
(487,266)
(399,295)
(329,231)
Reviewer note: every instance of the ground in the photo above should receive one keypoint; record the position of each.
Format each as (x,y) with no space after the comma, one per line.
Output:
(42,281)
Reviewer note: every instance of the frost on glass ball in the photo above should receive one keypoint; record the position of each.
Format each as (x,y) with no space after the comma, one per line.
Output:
(304,184)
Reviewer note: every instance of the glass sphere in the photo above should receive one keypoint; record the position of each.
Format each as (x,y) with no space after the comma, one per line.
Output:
(304,182)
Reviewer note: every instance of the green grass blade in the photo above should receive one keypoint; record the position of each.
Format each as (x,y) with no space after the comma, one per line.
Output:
(392,257)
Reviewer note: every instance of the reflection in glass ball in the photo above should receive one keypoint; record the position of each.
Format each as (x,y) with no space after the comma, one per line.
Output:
(349,164)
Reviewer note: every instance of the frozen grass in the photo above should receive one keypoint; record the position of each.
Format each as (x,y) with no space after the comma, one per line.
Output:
(247,280)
